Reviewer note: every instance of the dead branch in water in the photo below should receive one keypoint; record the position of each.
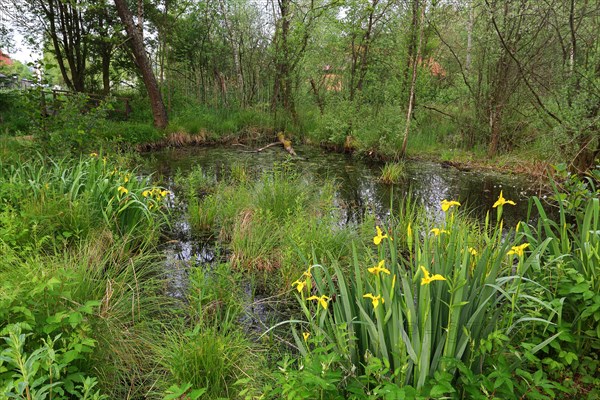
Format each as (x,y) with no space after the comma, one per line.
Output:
(287,145)
(262,148)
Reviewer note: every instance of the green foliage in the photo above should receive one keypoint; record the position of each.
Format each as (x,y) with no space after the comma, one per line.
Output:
(68,123)
(416,306)
(219,123)
(128,133)
(48,370)
(14,115)
(572,191)
(570,270)
(68,200)
(392,173)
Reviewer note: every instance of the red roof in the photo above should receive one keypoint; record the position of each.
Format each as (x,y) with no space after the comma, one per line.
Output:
(5,59)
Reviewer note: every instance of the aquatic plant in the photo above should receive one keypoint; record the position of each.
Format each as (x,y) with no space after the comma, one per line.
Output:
(418,308)
(73,198)
(392,173)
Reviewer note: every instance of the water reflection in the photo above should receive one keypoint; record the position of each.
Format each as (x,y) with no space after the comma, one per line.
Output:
(358,189)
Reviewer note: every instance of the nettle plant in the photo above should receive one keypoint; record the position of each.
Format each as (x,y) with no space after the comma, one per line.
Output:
(419,306)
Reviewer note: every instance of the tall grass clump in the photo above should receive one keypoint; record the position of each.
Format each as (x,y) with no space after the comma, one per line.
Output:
(89,312)
(273,223)
(392,173)
(82,288)
(420,310)
(208,351)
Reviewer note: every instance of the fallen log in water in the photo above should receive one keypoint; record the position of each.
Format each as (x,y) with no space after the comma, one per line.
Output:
(287,144)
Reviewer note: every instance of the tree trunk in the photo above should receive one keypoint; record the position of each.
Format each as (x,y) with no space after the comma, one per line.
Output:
(235,52)
(139,52)
(495,124)
(415,64)
(469,39)
(364,62)
(105,73)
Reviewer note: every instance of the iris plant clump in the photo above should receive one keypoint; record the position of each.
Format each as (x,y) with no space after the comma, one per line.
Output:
(424,300)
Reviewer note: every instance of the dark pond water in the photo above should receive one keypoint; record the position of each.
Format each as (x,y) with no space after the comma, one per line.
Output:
(358,192)
(358,188)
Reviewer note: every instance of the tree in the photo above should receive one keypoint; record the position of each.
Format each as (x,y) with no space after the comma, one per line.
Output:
(62,23)
(294,27)
(415,59)
(103,37)
(134,32)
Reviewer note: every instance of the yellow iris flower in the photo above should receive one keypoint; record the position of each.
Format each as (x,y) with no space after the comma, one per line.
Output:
(122,190)
(305,335)
(437,231)
(447,204)
(322,300)
(380,236)
(430,278)
(299,285)
(374,299)
(472,251)
(518,250)
(156,192)
(93,155)
(502,201)
(379,268)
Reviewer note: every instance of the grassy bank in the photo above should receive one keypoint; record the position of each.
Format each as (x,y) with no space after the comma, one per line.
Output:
(367,132)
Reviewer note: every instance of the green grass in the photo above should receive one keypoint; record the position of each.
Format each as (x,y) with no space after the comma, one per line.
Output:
(101,299)
(273,223)
(217,124)
(392,173)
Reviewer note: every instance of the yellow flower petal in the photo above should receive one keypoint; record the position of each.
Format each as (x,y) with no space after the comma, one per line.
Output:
(447,204)
(428,278)
(122,190)
(375,300)
(502,201)
(379,268)
(322,300)
(305,335)
(437,231)
(299,285)
(518,250)
(379,237)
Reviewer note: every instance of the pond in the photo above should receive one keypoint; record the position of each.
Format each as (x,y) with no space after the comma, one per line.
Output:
(358,190)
